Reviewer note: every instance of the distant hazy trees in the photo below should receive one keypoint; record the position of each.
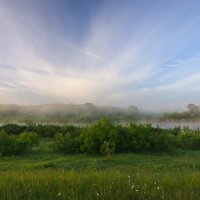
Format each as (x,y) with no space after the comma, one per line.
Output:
(192,108)
(192,113)
(87,112)
(133,110)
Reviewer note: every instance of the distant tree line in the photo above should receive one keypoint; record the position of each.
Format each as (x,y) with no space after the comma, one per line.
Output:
(87,112)
(193,113)
(102,137)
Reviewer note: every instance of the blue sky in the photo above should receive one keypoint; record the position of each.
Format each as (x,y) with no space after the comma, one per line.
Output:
(114,52)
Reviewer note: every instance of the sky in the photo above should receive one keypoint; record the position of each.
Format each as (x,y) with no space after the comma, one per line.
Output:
(108,52)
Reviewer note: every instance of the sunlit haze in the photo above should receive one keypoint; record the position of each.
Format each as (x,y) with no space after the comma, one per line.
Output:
(108,52)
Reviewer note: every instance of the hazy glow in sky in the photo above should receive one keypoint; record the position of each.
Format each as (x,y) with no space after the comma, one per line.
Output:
(112,52)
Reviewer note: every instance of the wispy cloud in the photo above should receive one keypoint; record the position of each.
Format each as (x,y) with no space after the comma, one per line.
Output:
(133,53)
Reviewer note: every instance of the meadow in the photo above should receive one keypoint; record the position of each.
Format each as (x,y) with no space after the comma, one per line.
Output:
(42,167)
(43,174)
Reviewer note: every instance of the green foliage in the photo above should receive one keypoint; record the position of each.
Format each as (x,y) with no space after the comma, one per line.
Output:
(107,149)
(189,139)
(67,143)
(13,145)
(94,137)
(123,139)
(13,129)
(71,143)
(102,137)
(83,177)
(26,140)
(46,131)
(8,144)
(144,137)
(58,143)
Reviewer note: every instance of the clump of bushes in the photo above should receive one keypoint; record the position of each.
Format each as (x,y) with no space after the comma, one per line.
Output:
(17,144)
(44,131)
(13,129)
(189,139)
(26,140)
(106,138)
(144,137)
(102,137)
(8,144)
(66,143)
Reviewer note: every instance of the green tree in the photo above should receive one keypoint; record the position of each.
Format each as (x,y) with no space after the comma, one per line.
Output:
(94,137)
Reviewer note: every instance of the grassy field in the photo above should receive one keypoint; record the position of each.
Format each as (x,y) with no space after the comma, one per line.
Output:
(42,174)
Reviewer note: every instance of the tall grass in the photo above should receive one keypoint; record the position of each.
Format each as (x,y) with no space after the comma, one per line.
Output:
(94,184)
(44,175)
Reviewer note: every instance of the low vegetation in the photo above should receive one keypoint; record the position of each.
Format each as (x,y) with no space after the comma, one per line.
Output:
(83,177)
(102,137)
(13,145)
(101,161)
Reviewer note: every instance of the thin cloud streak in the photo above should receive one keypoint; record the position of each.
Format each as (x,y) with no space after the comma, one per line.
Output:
(117,62)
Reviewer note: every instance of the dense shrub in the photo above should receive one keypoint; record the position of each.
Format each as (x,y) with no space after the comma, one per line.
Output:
(46,131)
(8,144)
(144,138)
(107,148)
(105,138)
(189,139)
(123,139)
(13,145)
(95,137)
(66,143)
(26,140)
(13,129)
(58,143)
(102,137)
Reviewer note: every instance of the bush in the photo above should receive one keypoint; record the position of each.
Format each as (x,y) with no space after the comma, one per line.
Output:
(68,143)
(13,145)
(58,143)
(13,129)
(26,140)
(145,138)
(107,149)
(8,144)
(189,139)
(123,139)
(45,131)
(140,137)
(102,137)
(95,137)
